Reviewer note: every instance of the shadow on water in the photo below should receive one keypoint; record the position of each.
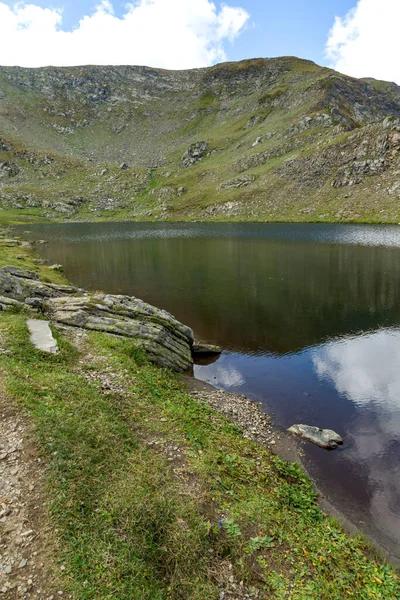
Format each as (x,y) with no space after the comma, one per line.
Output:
(307,315)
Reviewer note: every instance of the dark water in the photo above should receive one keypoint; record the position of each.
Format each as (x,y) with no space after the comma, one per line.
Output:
(308,316)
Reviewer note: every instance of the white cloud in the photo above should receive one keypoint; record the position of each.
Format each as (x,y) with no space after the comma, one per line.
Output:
(365,43)
(175,34)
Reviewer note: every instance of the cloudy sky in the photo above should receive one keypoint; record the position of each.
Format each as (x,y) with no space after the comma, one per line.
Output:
(359,38)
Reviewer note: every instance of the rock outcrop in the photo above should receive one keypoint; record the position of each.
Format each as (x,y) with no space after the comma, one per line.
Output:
(194,153)
(166,341)
(237,182)
(22,285)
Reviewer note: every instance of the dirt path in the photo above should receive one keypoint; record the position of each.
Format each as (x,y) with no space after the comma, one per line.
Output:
(28,566)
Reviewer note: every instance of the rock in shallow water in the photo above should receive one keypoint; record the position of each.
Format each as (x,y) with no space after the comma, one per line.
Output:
(325,438)
(204,349)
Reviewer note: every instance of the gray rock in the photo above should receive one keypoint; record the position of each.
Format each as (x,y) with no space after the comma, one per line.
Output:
(9,303)
(20,284)
(41,336)
(194,153)
(166,341)
(258,140)
(252,121)
(200,348)
(237,182)
(20,273)
(325,438)
(34,302)
(8,169)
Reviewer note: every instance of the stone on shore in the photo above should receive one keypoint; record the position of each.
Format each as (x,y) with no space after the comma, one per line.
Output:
(41,336)
(166,341)
(20,284)
(325,438)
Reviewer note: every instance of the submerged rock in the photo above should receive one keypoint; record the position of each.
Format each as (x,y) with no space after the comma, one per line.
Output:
(166,341)
(204,349)
(325,438)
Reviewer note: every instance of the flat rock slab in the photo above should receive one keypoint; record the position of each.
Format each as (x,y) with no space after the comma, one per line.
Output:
(41,336)
(325,438)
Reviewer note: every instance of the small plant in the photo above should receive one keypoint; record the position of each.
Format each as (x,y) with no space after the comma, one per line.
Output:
(232,528)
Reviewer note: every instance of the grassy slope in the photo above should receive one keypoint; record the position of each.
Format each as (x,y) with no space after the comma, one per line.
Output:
(154,126)
(135,525)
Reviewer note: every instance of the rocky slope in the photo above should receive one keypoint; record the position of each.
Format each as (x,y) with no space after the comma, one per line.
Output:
(263,139)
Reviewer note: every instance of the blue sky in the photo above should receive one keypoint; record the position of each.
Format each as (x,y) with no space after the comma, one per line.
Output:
(275,28)
(357,37)
(288,27)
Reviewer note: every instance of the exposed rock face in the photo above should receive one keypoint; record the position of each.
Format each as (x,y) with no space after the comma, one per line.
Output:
(325,438)
(166,341)
(20,285)
(194,153)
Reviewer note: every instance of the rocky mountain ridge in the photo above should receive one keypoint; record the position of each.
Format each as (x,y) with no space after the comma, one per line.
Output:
(263,139)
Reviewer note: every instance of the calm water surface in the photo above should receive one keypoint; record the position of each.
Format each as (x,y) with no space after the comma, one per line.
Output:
(308,315)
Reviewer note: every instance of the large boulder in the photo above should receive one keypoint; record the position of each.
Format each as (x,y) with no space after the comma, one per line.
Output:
(166,341)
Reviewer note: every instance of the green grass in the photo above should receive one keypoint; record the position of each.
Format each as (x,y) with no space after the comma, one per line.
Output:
(129,528)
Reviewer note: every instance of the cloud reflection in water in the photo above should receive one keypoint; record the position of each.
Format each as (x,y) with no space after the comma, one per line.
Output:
(366,370)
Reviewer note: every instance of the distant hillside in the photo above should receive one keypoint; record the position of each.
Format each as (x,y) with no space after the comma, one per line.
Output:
(263,139)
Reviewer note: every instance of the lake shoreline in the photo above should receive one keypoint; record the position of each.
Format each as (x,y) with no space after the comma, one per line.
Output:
(10,218)
(285,445)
